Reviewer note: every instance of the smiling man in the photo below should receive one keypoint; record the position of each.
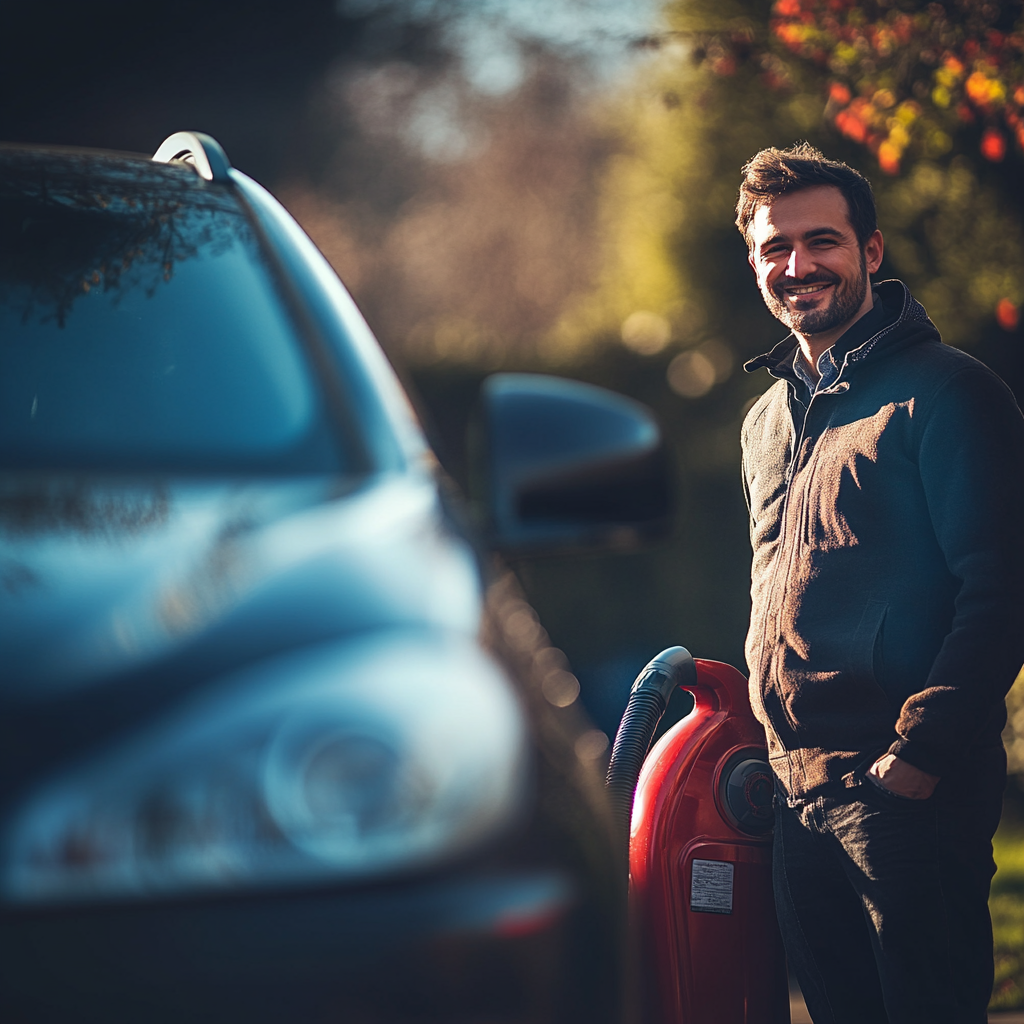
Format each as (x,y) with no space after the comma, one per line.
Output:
(884,474)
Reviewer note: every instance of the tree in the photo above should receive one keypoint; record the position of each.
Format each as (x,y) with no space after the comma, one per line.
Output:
(927,90)
(927,100)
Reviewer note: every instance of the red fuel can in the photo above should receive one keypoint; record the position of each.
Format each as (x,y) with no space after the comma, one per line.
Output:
(701,901)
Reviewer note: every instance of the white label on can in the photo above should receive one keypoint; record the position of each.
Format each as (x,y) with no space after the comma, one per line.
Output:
(711,886)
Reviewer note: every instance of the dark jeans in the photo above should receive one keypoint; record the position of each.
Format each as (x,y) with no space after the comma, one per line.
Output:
(883,903)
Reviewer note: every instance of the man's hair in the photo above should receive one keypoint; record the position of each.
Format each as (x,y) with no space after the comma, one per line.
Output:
(775,172)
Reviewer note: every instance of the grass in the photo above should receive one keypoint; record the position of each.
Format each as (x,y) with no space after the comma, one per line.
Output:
(1007,908)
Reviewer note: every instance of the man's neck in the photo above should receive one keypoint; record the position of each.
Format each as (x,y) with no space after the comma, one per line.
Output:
(813,345)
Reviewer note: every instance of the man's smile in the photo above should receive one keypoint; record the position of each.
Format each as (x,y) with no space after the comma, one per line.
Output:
(802,295)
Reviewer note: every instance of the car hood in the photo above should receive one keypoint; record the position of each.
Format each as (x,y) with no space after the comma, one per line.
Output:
(165,583)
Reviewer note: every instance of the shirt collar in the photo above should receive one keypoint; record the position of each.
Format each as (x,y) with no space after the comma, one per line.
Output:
(827,370)
(831,361)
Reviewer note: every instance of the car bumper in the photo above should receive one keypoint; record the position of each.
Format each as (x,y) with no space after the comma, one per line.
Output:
(503,948)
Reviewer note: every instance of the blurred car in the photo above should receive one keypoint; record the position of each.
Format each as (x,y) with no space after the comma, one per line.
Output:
(277,741)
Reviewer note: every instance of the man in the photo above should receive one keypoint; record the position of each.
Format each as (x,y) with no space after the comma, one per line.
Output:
(885,478)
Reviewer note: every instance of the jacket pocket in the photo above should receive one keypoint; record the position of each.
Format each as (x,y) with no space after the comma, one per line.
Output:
(874,794)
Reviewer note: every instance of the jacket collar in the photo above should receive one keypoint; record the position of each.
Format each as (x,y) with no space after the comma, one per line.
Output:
(894,296)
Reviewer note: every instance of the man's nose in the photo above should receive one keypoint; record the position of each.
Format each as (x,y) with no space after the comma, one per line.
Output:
(800,262)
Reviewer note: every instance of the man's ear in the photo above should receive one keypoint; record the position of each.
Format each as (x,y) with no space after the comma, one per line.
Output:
(874,248)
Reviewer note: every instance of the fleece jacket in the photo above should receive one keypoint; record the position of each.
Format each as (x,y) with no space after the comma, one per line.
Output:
(887,525)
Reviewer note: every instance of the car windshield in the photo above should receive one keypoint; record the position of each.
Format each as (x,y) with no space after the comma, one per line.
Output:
(141,328)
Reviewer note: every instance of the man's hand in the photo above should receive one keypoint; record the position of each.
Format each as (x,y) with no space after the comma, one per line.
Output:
(903,779)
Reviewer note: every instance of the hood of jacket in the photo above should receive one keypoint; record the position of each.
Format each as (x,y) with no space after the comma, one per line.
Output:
(906,323)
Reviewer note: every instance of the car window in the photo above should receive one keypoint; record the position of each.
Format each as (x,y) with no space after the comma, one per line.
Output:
(141,327)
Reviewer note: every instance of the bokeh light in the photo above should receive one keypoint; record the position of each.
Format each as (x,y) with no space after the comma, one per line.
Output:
(646,333)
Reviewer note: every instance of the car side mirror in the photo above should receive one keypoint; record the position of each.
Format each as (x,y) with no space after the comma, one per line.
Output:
(568,465)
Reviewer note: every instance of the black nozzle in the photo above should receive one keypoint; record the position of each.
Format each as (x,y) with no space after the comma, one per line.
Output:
(673,667)
(647,702)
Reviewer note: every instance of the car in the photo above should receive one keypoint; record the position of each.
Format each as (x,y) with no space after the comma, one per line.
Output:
(280,737)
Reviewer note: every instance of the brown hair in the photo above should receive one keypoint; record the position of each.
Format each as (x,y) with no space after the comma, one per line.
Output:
(774,172)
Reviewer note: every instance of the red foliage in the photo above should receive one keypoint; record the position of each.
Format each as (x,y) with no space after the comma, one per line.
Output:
(851,126)
(993,145)
(1007,315)
(839,93)
(888,158)
(952,64)
(928,72)
(903,26)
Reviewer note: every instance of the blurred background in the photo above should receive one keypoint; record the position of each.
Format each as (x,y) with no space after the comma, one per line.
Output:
(548,186)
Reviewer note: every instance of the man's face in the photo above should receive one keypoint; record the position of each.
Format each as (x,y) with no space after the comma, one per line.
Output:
(810,268)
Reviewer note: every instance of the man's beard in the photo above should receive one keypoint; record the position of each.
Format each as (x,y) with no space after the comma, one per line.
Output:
(842,307)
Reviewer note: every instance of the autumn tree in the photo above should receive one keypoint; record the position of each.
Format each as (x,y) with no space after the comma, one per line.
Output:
(926,99)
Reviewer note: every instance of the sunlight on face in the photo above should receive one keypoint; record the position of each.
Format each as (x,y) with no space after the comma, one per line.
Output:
(811,270)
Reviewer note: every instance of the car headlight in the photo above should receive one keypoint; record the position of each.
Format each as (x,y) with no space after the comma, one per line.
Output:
(347,761)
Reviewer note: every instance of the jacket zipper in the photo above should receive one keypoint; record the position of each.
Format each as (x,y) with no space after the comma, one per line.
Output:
(780,557)
(837,387)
